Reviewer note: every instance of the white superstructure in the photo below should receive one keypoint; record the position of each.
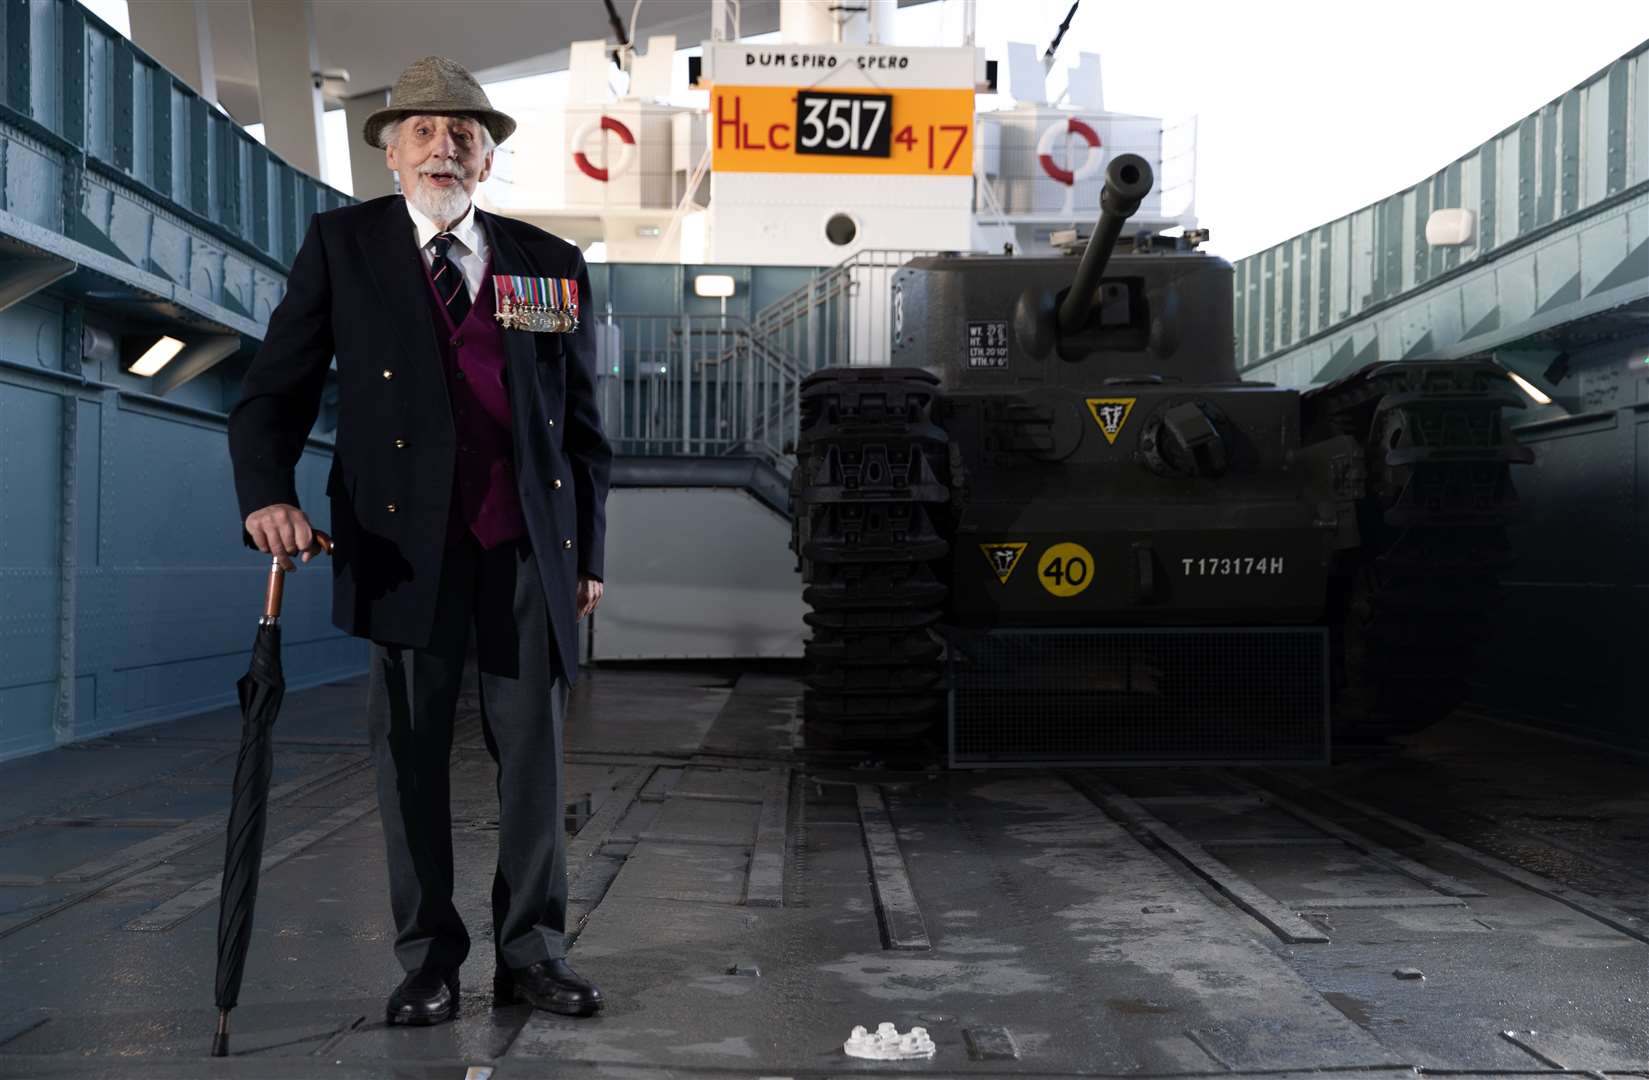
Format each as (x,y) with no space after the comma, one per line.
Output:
(831,141)
(819,151)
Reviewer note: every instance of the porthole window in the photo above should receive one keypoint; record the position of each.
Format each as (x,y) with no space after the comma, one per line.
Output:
(841,229)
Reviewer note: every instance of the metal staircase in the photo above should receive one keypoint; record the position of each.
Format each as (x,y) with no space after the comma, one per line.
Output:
(841,316)
(713,401)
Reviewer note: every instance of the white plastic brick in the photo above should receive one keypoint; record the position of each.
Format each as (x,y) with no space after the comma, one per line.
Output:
(888,1045)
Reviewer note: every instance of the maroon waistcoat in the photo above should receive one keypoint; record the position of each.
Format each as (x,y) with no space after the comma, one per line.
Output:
(484,496)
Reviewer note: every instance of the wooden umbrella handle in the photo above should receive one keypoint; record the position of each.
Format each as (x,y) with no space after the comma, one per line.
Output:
(277,577)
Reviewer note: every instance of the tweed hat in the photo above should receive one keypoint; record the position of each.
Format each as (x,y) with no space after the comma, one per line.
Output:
(437,86)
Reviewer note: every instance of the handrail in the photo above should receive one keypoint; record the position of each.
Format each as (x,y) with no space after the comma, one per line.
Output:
(696,385)
(681,384)
(837,317)
(803,295)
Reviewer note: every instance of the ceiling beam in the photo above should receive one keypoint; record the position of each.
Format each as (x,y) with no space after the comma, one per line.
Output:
(23,276)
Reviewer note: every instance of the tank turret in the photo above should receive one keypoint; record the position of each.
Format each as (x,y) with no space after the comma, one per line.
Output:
(1127,182)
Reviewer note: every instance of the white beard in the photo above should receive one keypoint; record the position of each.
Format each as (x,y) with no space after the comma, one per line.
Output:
(440,205)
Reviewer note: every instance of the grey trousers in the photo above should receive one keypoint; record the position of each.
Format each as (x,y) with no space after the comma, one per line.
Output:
(411,698)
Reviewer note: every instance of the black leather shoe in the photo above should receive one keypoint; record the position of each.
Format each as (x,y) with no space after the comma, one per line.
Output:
(550,985)
(427,996)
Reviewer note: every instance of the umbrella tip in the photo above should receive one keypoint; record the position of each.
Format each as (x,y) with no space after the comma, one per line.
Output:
(220,1041)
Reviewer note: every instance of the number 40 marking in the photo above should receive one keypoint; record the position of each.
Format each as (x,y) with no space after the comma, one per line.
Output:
(1066,569)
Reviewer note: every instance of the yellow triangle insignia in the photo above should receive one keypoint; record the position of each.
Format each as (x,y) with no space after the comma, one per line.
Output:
(1003,558)
(1110,413)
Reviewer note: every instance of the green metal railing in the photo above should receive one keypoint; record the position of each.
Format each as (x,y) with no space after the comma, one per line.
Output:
(695,386)
(1574,157)
(840,316)
(79,96)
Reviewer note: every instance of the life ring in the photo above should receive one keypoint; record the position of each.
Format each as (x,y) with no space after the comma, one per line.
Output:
(1090,164)
(626,144)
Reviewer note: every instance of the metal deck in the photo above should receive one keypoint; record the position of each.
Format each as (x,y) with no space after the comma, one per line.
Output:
(1474,905)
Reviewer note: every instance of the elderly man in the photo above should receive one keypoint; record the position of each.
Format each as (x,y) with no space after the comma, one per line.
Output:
(467,491)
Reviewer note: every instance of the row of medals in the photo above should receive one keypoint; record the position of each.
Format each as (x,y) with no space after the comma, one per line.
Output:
(519,315)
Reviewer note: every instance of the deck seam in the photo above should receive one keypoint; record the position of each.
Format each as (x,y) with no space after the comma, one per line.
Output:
(1410,868)
(1272,913)
(899,914)
(1586,904)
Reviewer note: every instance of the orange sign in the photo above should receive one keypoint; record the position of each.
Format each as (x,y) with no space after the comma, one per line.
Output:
(819,130)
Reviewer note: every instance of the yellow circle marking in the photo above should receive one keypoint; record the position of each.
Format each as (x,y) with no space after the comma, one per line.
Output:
(1065,569)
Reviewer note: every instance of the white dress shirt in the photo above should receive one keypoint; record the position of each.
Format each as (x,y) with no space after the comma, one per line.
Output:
(469,249)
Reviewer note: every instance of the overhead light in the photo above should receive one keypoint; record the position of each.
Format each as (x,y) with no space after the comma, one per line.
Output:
(333,83)
(156,356)
(713,285)
(1530,388)
(1451,227)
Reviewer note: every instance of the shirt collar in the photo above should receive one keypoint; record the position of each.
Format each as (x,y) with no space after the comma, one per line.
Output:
(467,232)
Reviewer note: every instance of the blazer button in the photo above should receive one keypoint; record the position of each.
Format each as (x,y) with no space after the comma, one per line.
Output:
(556,484)
(388,374)
(400,444)
(390,508)
(568,544)
(552,423)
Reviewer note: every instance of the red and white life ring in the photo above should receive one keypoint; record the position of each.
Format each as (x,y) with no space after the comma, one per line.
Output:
(626,149)
(1090,164)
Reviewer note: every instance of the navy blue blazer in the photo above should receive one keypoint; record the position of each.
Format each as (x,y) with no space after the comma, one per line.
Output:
(357,292)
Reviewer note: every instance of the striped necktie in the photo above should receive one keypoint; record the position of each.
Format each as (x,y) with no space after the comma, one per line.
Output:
(449,280)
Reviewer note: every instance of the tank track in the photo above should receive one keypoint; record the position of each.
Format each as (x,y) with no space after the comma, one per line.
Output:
(870,522)
(1411,607)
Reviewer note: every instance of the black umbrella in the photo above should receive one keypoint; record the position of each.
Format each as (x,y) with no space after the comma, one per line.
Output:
(261,690)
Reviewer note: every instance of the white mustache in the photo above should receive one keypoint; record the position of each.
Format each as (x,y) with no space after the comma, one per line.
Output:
(451,168)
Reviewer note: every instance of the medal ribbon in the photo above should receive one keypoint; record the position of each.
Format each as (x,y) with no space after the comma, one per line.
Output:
(516,292)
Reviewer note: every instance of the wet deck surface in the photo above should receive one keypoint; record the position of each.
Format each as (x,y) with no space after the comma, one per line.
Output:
(1475,904)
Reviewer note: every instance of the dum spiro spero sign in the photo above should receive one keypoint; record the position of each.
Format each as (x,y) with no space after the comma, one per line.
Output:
(868,109)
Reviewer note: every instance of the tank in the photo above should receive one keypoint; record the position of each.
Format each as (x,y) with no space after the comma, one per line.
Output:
(1062,509)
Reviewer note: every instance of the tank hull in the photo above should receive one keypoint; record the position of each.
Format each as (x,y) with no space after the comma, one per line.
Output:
(1055,459)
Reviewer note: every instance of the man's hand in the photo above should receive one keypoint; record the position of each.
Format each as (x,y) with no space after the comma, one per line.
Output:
(283,530)
(589,595)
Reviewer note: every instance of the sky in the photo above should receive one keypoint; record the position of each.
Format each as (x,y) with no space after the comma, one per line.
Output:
(1305,109)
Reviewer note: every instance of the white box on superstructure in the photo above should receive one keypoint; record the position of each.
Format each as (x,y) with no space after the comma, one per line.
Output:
(820,151)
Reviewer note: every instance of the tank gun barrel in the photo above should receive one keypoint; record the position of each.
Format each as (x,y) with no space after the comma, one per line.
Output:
(1127,181)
